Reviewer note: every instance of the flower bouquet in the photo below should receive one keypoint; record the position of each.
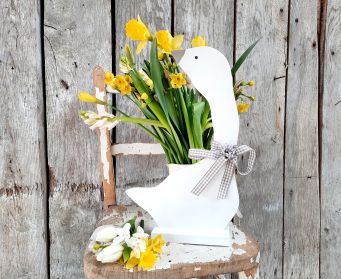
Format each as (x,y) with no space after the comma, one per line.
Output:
(128,245)
(176,114)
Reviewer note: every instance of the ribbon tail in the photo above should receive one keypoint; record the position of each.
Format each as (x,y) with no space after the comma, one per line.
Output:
(226,180)
(204,181)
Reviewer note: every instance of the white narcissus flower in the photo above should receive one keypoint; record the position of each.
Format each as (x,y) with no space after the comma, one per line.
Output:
(138,245)
(106,234)
(123,234)
(110,254)
(99,120)
(140,233)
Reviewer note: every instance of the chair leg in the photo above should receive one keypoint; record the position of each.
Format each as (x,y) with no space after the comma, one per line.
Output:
(249,274)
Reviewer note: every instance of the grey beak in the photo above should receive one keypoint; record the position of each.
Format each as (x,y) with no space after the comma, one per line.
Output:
(177,54)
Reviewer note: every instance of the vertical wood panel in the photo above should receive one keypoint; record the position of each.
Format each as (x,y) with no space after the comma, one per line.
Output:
(211,19)
(22,143)
(137,171)
(77,38)
(301,189)
(263,127)
(331,147)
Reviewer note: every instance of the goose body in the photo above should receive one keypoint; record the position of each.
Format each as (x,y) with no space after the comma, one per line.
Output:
(180,215)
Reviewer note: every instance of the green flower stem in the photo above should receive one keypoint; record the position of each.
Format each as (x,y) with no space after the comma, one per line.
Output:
(139,121)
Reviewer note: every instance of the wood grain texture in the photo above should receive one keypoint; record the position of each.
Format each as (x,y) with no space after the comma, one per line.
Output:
(262,127)
(331,147)
(77,38)
(211,19)
(22,143)
(301,188)
(198,261)
(137,171)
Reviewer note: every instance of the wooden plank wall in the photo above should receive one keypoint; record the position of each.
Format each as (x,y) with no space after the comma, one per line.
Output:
(50,194)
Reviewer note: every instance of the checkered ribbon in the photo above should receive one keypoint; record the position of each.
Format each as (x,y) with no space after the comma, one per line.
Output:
(225,156)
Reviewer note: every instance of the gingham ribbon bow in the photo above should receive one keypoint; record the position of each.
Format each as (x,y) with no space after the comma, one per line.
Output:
(225,156)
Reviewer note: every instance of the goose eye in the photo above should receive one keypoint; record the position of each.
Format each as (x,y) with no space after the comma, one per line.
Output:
(196,57)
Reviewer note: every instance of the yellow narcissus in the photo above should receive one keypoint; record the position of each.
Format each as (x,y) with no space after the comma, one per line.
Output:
(147,260)
(177,80)
(109,78)
(166,41)
(138,31)
(198,41)
(243,107)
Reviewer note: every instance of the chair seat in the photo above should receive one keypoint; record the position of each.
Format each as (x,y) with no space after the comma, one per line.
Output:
(177,260)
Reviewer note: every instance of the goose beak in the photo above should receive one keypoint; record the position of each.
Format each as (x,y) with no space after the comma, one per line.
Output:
(177,54)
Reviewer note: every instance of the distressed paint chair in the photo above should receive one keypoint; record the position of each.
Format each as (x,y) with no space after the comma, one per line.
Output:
(178,261)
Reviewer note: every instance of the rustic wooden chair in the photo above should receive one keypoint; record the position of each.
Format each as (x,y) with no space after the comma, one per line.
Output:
(178,260)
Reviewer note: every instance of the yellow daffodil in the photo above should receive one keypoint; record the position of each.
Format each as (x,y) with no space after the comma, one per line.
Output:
(147,259)
(156,243)
(132,262)
(243,107)
(109,78)
(138,31)
(177,80)
(125,89)
(198,41)
(120,81)
(128,79)
(88,98)
(166,41)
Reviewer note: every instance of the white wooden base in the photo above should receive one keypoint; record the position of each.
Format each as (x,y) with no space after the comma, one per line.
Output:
(207,237)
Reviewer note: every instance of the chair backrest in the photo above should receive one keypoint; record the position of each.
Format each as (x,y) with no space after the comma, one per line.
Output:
(108,149)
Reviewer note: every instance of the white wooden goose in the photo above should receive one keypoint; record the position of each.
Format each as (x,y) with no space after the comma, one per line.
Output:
(180,215)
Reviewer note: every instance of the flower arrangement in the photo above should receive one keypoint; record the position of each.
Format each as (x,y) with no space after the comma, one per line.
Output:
(176,115)
(128,245)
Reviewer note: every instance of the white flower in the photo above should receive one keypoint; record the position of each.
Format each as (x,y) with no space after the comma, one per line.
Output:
(110,254)
(102,120)
(123,234)
(138,245)
(140,234)
(106,234)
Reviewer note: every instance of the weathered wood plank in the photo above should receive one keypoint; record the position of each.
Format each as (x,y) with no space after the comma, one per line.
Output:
(301,188)
(214,20)
(22,143)
(139,171)
(331,147)
(263,127)
(210,19)
(77,38)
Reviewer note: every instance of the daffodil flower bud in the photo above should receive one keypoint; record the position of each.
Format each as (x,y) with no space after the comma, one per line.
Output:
(110,254)
(106,234)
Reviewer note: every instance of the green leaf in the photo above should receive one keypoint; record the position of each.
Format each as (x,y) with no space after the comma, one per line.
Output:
(242,58)
(155,69)
(198,109)
(126,253)
(142,224)
(136,120)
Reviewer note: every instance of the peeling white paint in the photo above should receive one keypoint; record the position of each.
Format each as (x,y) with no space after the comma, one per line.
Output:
(103,138)
(238,251)
(197,268)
